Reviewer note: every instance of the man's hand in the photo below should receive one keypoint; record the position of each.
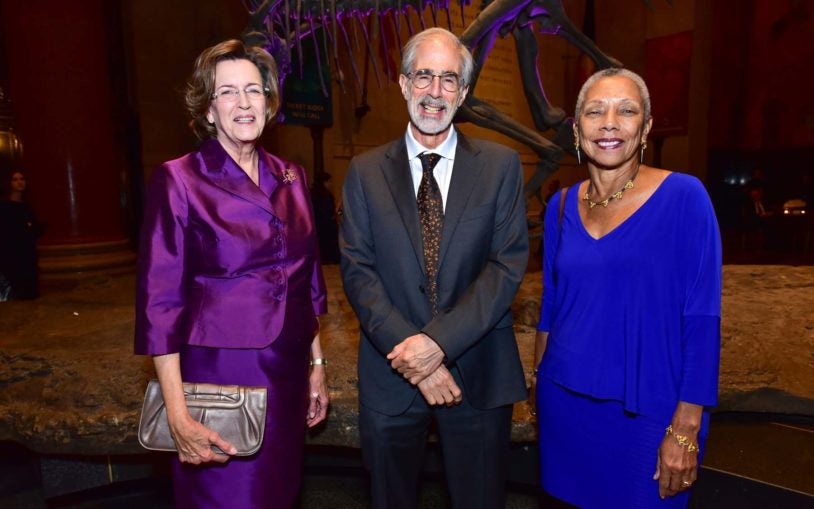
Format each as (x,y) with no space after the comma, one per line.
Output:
(416,358)
(440,388)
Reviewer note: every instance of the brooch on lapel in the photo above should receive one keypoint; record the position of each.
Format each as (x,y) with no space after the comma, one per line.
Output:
(289,176)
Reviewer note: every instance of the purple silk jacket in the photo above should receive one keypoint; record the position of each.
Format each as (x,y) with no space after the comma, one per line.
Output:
(222,262)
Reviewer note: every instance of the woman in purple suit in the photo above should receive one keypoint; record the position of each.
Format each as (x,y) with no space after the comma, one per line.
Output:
(230,286)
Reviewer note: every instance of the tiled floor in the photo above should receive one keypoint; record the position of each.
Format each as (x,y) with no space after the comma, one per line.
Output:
(751,463)
(774,452)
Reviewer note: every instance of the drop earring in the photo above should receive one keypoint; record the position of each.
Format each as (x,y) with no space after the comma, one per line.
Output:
(641,155)
(576,146)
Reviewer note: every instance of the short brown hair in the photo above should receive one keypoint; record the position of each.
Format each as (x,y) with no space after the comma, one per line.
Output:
(201,84)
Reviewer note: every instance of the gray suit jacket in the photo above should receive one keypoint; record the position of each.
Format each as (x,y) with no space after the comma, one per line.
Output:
(484,253)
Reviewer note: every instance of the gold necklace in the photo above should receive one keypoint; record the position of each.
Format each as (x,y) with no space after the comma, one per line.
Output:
(615,196)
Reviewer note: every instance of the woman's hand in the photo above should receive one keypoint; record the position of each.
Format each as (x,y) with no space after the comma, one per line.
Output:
(317,396)
(540,343)
(532,398)
(317,386)
(676,468)
(194,442)
(677,462)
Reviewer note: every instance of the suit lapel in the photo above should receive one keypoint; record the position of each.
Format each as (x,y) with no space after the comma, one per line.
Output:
(396,169)
(278,184)
(226,174)
(465,173)
(272,169)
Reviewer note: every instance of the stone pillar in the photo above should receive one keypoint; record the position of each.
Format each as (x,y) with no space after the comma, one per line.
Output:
(60,72)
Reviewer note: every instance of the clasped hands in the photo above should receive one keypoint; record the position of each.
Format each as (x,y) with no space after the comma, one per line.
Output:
(419,359)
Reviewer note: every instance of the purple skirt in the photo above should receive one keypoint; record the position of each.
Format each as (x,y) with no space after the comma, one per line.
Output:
(271,477)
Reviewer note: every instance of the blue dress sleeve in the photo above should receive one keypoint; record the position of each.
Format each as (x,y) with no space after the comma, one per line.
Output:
(701,316)
(551,238)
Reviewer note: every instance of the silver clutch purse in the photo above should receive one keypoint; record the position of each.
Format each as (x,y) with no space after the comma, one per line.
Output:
(237,413)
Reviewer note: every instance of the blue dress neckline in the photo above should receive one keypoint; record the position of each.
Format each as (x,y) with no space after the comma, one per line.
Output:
(621,226)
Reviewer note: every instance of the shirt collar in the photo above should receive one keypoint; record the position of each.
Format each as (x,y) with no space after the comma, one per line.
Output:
(446,149)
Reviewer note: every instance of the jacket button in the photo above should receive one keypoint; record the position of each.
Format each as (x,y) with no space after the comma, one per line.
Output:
(421,288)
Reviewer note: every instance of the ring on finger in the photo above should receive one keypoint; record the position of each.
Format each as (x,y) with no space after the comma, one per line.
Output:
(314,395)
(686,484)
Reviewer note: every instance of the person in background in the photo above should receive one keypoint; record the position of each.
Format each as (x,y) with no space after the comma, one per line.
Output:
(755,216)
(230,286)
(325,215)
(434,245)
(19,231)
(629,336)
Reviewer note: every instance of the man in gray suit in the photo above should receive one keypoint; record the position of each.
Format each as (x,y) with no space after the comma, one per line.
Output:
(434,246)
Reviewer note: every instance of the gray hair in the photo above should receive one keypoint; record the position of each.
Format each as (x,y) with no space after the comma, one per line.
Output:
(408,54)
(607,73)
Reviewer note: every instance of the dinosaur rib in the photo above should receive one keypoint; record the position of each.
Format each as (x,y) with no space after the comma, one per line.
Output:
(369,49)
(409,23)
(350,53)
(380,22)
(319,60)
(449,17)
(434,12)
(394,17)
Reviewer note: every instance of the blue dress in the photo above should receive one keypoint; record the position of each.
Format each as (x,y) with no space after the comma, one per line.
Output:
(634,327)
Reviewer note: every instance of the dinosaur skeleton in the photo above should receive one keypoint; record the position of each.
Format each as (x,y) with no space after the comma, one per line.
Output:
(281,25)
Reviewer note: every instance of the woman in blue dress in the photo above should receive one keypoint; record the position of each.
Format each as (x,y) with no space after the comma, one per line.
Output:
(629,335)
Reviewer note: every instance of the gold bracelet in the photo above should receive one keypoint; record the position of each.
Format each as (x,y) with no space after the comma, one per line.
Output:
(682,440)
(319,361)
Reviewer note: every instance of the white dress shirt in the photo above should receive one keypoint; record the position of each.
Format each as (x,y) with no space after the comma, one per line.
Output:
(442,171)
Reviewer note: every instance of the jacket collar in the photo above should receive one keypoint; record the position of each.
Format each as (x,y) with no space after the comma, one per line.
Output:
(225,173)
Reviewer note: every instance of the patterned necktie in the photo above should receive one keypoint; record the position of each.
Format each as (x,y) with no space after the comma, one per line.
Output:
(431,213)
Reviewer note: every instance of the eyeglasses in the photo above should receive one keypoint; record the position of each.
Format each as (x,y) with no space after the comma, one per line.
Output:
(230,95)
(422,78)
